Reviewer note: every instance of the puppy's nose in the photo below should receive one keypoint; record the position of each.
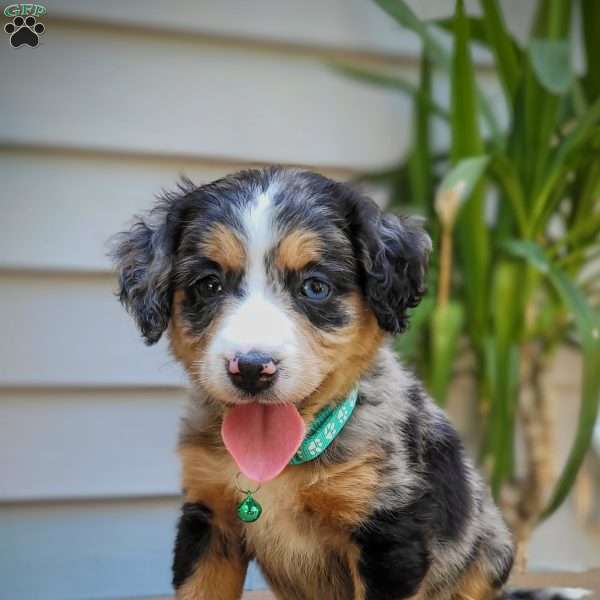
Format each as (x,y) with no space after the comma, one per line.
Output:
(252,372)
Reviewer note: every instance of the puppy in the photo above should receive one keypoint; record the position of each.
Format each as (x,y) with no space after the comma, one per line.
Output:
(280,290)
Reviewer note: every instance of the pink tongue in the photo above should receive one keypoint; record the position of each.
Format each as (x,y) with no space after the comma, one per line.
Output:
(262,438)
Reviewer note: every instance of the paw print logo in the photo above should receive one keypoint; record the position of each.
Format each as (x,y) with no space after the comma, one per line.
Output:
(24,31)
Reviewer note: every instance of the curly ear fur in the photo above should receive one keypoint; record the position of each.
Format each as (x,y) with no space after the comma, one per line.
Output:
(144,258)
(394,252)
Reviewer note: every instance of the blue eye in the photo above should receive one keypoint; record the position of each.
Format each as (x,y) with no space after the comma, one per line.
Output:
(316,289)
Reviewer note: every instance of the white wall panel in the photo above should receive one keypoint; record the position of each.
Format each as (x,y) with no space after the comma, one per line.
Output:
(96,443)
(71,331)
(101,88)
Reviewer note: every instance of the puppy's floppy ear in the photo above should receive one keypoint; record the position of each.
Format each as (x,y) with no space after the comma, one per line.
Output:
(144,258)
(393,252)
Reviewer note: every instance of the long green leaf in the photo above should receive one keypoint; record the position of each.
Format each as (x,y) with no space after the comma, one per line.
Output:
(587,323)
(501,422)
(476,27)
(490,119)
(587,201)
(466,136)
(404,15)
(587,227)
(446,326)
(473,237)
(541,106)
(382,80)
(558,168)
(590,18)
(509,295)
(552,20)
(420,164)
(503,47)
(504,170)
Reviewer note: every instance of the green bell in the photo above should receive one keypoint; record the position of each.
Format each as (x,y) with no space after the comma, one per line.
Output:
(249,510)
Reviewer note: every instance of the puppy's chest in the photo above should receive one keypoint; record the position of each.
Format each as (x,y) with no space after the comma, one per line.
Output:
(315,505)
(302,541)
(291,522)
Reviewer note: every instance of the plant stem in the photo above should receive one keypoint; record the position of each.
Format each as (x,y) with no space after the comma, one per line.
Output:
(445,266)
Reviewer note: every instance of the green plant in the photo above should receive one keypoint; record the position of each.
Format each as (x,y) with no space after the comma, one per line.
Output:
(520,285)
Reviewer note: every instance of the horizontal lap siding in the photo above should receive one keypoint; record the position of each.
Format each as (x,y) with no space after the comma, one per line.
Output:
(349,25)
(346,24)
(85,443)
(135,91)
(69,203)
(61,330)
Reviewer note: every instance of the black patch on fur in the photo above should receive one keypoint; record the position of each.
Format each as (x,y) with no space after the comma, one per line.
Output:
(416,396)
(393,253)
(364,400)
(393,553)
(448,489)
(144,257)
(194,534)
(411,434)
(197,310)
(388,466)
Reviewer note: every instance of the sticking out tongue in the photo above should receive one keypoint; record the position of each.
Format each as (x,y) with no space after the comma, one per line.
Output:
(262,438)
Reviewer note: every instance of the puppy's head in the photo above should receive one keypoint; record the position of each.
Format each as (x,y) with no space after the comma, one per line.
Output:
(274,283)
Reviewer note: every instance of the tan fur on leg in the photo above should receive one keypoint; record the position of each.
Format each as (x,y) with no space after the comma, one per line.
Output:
(215,578)
(474,585)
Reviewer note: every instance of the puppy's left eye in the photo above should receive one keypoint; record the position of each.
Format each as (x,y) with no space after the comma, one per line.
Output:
(316,289)
(209,286)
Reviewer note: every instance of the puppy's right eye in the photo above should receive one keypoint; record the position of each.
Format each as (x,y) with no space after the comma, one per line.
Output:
(209,286)
(315,288)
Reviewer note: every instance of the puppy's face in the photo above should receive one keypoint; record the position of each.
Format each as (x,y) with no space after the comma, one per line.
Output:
(274,283)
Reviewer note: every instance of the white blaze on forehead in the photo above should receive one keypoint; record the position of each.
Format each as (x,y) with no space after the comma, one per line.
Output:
(259,322)
(258,226)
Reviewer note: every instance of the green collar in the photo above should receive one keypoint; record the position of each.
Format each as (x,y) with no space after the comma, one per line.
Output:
(325,428)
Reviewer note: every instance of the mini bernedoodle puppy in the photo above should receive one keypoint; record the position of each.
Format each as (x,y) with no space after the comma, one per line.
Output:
(280,290)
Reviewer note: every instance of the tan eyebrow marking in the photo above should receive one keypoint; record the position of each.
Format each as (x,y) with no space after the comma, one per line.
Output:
(298,249)
(223,245)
